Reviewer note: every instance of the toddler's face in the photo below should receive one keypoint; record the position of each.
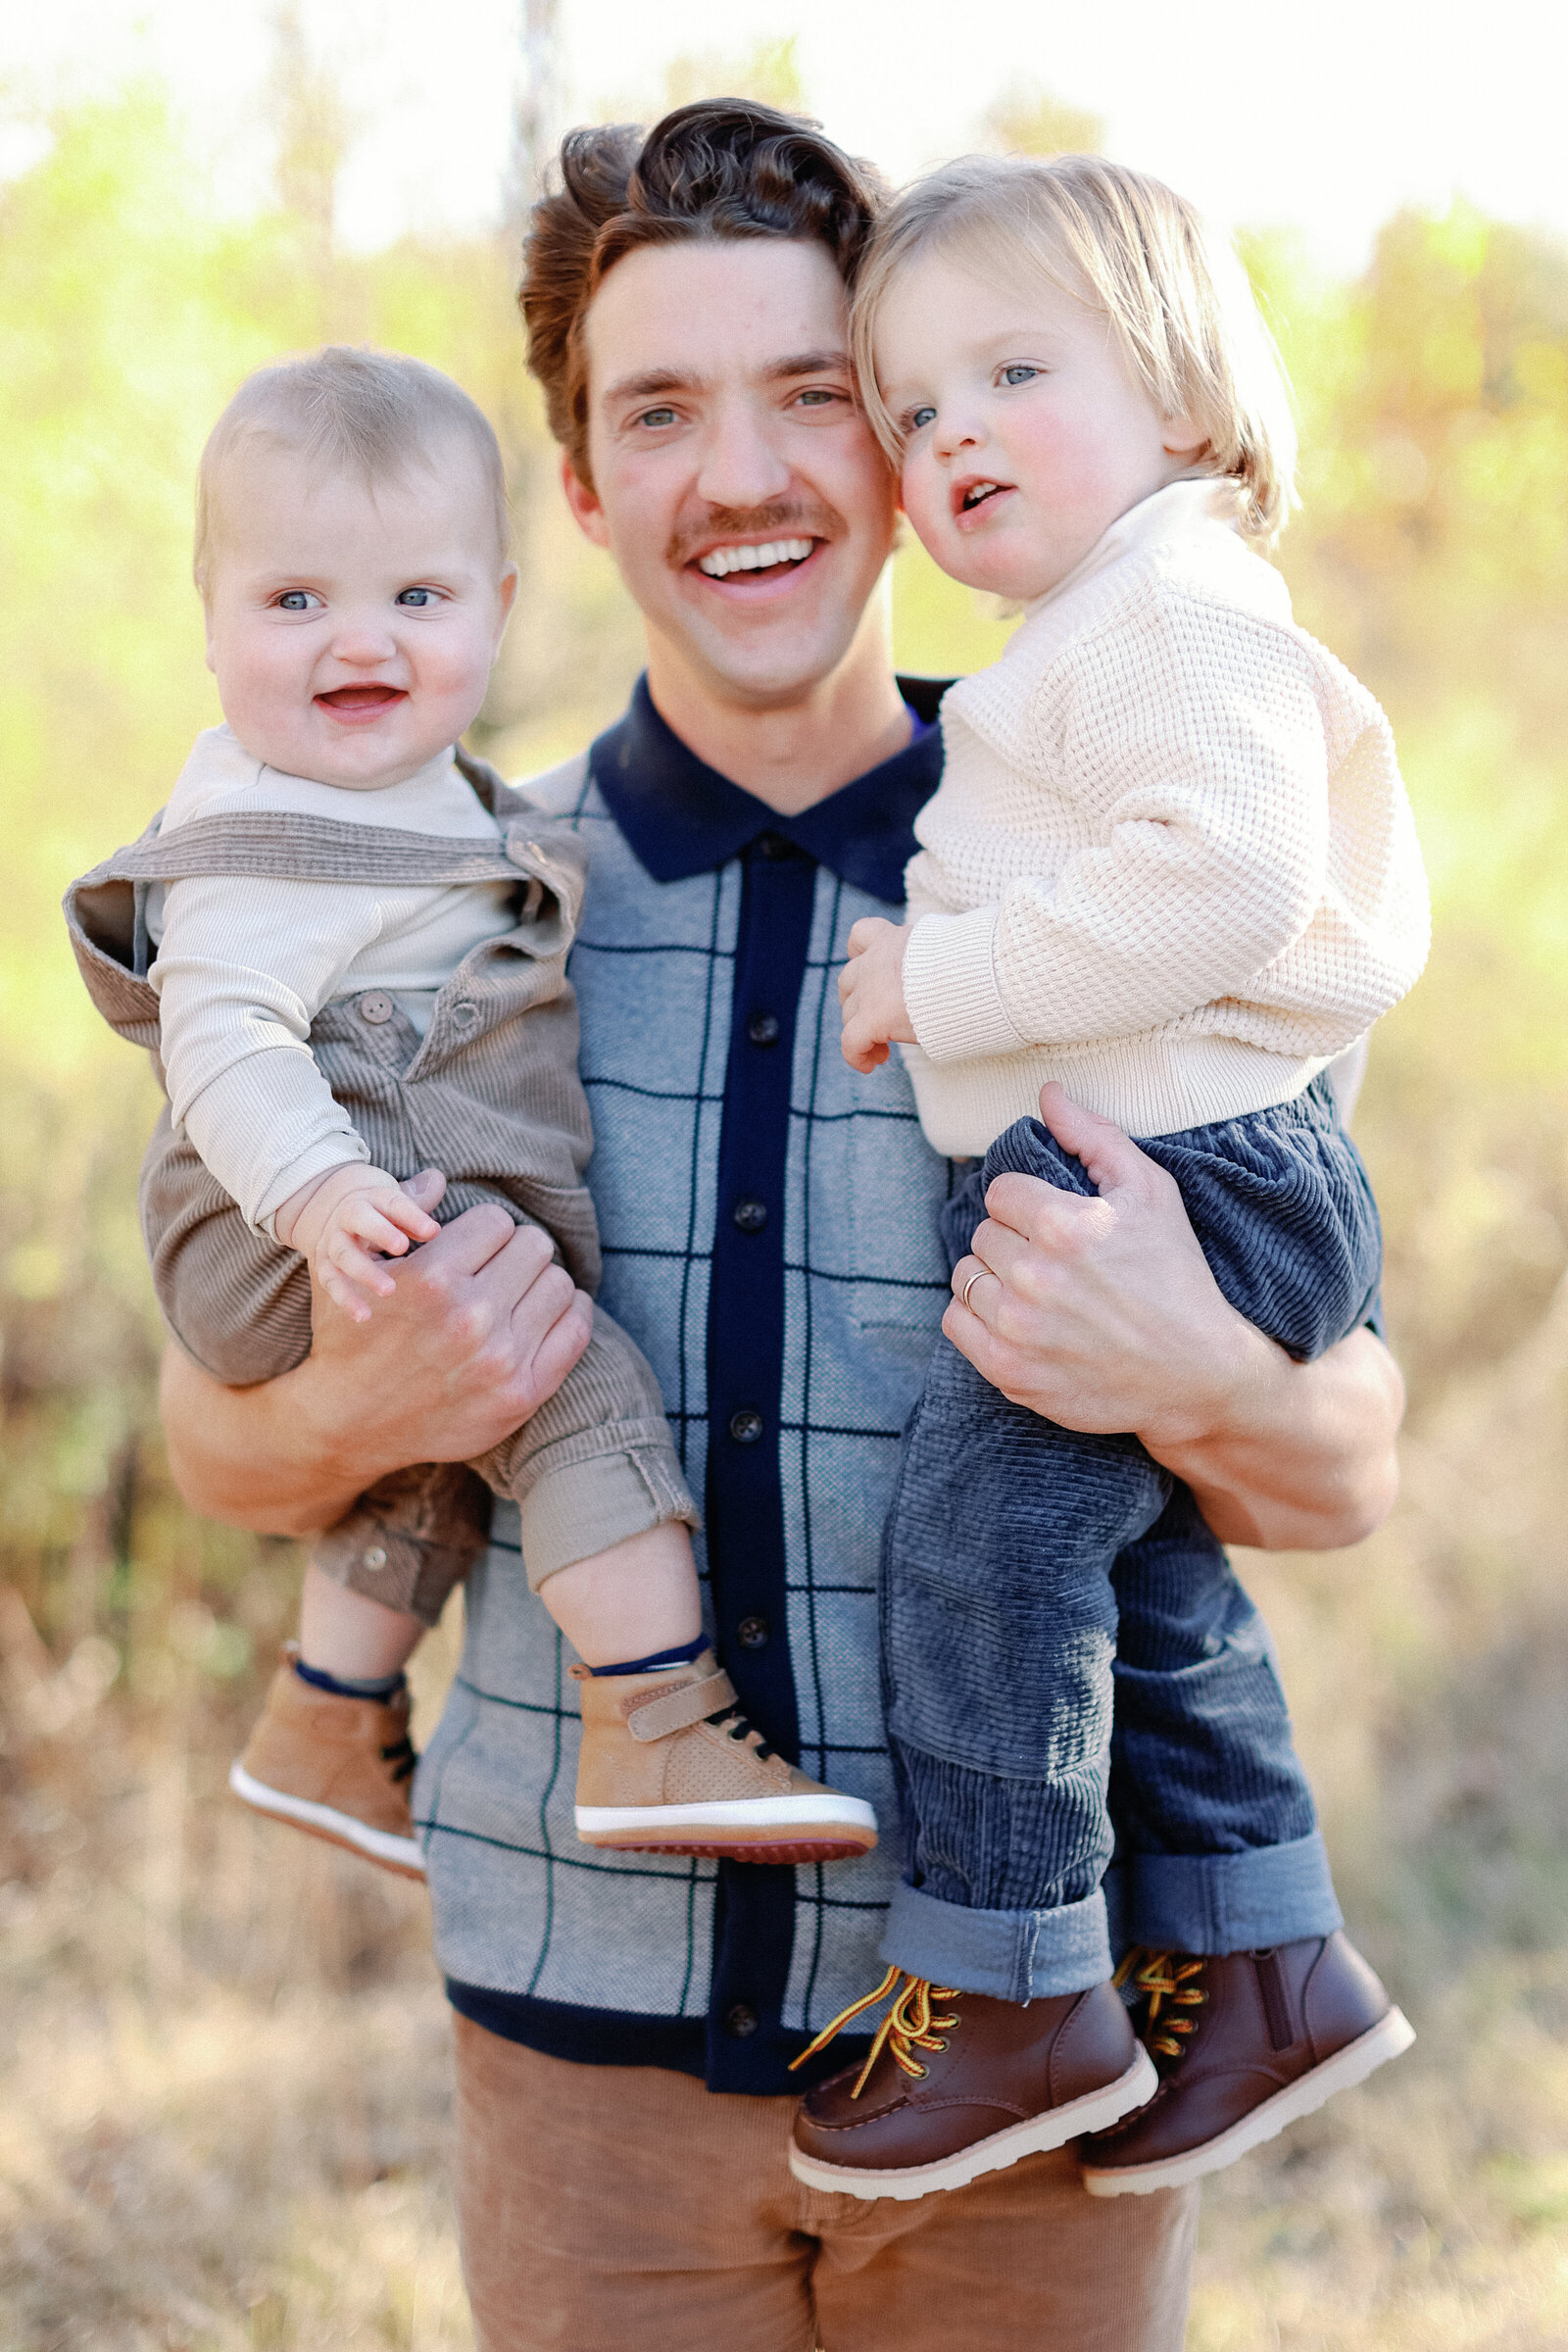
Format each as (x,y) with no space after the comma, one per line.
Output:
(1025,433)
(352,629)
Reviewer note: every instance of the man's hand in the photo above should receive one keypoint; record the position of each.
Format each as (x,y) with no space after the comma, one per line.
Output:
(872,993)
(1104,1315)
(480,1328)
(337,1221)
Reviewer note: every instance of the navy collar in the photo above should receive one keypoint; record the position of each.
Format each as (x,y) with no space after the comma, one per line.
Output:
(682,818)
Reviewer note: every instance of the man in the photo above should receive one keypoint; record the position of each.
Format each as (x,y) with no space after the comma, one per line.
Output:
(769,1223)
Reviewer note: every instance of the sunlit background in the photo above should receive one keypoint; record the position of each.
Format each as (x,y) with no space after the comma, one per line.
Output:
(223,2081)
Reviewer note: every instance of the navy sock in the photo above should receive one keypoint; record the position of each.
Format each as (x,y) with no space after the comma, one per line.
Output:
(370,1686)
(683,1656)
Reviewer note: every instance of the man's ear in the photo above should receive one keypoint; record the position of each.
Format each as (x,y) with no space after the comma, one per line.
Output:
(587,512)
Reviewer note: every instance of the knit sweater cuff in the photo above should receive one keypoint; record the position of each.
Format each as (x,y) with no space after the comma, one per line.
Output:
(949,988)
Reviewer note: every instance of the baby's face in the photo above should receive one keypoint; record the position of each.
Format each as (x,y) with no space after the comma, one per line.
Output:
(1025,433)
(352,629)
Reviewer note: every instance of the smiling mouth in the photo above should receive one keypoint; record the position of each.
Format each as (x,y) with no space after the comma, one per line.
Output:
(770,560)
(977,494)
(354,698)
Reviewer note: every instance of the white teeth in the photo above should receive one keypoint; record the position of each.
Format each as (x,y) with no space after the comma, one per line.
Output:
(979,490)
(723,559)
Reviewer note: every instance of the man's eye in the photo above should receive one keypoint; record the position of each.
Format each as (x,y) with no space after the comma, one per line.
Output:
(819,398)
(1018,373)
(416,597)
(657,418)
(295,600)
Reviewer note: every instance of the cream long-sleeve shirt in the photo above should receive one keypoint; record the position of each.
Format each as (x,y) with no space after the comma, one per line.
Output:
(1171,861)
(244,966)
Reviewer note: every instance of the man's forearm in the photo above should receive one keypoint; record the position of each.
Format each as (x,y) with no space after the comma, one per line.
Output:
(271,1459)
(1296,1457)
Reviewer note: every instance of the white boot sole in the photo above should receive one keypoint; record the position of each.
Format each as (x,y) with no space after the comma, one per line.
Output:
(1093,2112)
(1388,2038)
(403,1854)
(744,1819)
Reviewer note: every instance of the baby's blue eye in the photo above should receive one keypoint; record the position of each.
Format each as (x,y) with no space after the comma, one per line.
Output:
(294,600)
(1018,373)
(919,419)
(416,597)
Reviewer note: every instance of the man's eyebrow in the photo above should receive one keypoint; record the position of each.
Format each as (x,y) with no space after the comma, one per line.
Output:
(655,379)
(830,360)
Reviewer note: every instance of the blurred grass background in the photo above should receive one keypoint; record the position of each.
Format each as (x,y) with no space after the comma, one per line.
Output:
(222,2070)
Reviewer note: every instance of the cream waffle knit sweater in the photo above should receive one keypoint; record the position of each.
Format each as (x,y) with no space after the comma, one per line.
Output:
(1171,861)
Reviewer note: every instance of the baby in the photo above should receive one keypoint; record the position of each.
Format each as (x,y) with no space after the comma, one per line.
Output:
(345,943)
(1171,866)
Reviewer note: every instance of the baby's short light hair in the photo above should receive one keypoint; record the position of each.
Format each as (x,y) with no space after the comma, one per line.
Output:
(372,413)
(1174,291)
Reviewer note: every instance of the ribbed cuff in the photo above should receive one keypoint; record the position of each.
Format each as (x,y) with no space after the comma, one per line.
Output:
(949,988)
(1011,1955)
(1232,1902)
(580,1509)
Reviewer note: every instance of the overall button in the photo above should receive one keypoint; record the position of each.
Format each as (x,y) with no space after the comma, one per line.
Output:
(745,1426)
(763,1029)
(751,1632)
(741,2021)
(375,1007)
(375,1557)
(465,1014)
(750,1214)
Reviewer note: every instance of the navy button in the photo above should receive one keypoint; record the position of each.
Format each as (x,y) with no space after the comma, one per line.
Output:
(745,1426)
(762,1029)
(774,847)
(750,1214)
(751,1632)
(741,2021)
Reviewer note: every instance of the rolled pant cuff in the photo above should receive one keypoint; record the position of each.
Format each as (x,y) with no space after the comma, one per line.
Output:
(1011,1955)
(1232,1902)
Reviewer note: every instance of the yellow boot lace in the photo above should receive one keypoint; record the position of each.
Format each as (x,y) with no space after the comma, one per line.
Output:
(1168,1982)
(911,2025)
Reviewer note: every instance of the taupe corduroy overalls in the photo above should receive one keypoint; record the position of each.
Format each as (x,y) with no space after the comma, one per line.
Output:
(490,1096)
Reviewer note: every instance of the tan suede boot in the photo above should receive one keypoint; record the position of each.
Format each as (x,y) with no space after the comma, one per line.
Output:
(669,1765)
(337,1767)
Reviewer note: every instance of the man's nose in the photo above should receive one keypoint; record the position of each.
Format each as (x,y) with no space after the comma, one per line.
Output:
(741,463)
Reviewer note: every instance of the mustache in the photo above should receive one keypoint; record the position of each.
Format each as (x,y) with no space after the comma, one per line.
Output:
(787,517)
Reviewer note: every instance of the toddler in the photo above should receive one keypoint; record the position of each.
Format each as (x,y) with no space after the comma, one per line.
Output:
(345,942)
(1172,868)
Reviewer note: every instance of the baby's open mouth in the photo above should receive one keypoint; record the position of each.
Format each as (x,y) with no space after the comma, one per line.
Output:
(978,492)
(362,698)
(770,559)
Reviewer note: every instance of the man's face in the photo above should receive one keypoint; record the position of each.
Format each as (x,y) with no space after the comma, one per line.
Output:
(736,482)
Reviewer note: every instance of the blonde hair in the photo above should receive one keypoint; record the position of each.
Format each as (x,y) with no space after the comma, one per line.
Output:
(1175,293)
(373,413)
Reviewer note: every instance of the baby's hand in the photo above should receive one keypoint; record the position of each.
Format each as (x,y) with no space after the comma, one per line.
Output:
(871,992)
(338,1221)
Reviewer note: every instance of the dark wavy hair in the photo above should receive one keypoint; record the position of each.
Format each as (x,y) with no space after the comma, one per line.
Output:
(722,167)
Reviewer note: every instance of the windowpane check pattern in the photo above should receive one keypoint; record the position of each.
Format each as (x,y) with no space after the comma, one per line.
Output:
(831,1259)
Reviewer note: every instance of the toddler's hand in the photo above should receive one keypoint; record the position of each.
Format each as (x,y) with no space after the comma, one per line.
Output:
(337,1222)
(871,992)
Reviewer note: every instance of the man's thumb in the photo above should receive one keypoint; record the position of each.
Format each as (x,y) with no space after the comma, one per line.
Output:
(1110,1154)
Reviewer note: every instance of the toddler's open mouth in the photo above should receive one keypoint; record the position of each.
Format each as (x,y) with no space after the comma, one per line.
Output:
(360,702)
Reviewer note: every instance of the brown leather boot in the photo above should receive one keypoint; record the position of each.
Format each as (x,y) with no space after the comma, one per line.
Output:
(995,2081)
(1244,2044)
(669,1765)
(337,1767)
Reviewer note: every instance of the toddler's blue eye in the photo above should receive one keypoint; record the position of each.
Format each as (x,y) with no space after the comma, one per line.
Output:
(417,596)
(1018,373)
(294,600)
(919,419)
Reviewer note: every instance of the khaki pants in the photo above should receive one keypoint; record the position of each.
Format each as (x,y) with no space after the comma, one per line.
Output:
(626,2209)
